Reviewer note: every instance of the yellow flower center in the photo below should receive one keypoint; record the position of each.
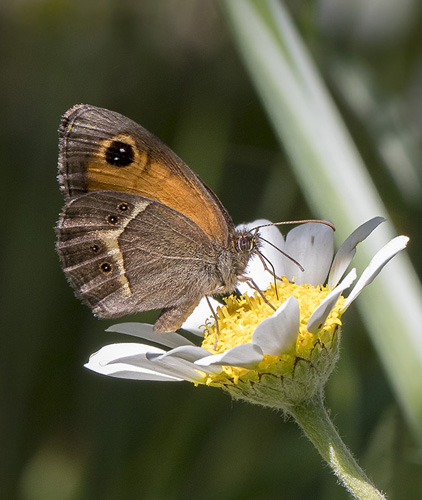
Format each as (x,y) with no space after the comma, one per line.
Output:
(239,317)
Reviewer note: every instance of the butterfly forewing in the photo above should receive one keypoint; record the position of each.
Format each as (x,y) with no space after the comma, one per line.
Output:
(104,150)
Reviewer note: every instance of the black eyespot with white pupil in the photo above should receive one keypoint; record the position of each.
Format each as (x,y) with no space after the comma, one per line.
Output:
(94,248)
(106,267)
(120,154)
(123,207)
(112,219)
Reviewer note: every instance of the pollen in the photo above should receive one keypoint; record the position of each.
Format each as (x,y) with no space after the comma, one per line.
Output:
(239,317)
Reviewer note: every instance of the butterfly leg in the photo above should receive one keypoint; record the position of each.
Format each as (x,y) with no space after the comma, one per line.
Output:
(254,286)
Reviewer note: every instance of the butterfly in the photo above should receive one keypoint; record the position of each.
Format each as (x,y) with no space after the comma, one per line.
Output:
(139,229)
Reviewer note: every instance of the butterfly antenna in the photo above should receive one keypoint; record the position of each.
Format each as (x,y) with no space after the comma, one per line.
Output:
(304,221)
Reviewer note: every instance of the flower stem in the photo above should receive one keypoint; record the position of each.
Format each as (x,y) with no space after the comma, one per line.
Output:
(313,418)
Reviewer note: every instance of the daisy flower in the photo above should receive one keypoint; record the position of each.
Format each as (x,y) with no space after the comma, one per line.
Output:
(257,350)
(277,351)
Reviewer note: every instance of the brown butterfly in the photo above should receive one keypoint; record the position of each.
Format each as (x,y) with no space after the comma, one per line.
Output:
(140,230)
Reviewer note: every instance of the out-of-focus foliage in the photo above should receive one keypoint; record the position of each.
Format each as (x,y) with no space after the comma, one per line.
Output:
(171,65)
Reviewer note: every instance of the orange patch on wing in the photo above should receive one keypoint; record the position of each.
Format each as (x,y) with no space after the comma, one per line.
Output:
(147,176)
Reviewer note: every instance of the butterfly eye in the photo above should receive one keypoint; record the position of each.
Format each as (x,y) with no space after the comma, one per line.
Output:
(244,243)
(120,154)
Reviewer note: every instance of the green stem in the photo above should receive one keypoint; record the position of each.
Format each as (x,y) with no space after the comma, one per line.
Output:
(313,418)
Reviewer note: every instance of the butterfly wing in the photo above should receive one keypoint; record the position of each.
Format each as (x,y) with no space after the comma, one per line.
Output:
(104,150)
(159,246)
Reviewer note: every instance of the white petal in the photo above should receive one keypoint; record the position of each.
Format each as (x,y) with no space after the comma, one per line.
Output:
(255,269)
(145,331)
(200,314)
(347,250)
(245,356)
(312,245)
(188,354)
(103,362)
(173,366)
(379,260)
(321,313)
(135,359)
(277,334)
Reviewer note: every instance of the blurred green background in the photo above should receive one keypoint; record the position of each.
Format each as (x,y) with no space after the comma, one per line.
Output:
(171,65)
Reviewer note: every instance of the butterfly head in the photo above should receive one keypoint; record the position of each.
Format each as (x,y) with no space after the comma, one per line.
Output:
(246,243)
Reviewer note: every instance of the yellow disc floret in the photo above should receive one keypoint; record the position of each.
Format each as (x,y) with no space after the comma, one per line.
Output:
(239,317)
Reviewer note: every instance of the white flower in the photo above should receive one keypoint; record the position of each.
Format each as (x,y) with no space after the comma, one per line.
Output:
(308,316)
